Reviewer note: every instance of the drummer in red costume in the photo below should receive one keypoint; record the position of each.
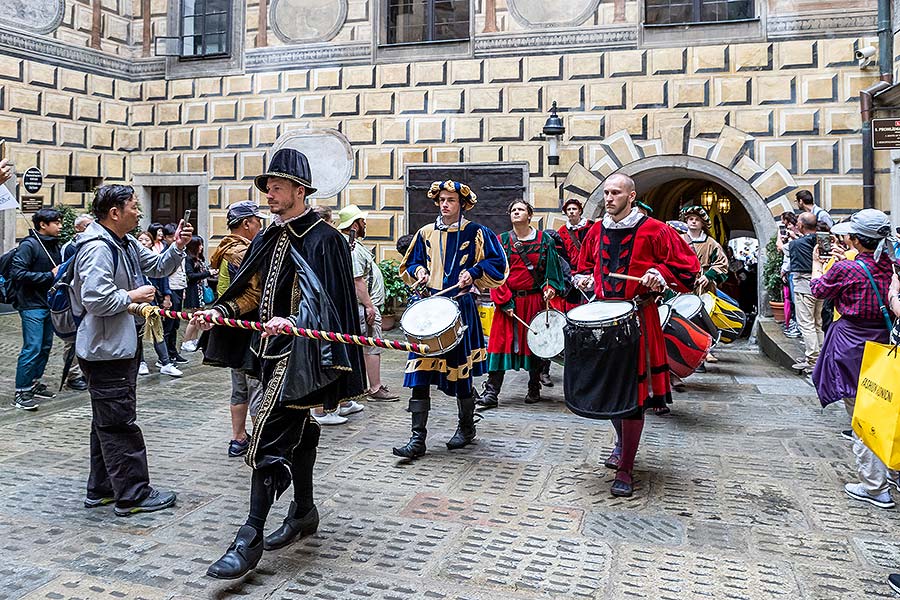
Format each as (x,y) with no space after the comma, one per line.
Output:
(534,279)
(573,234)
(627,242)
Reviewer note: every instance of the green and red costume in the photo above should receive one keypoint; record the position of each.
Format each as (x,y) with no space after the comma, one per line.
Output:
(523,293)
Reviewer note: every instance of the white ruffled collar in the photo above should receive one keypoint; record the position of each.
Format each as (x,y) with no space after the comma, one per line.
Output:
(578,225)
(278,221)
(628,222)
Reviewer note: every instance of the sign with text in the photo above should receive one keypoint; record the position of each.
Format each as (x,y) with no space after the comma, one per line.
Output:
(886,134)
(33,179)
(32,204)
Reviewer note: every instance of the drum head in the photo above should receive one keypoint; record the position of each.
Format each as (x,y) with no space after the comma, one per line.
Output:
(709,302)
(599,311)
(429,316)
(665,313)
(686,305)
(545,334)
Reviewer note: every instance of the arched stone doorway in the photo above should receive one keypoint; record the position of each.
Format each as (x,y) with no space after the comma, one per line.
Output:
(725,160)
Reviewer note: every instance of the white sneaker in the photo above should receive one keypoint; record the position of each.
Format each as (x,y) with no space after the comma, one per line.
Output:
(353,408)
(170,370)
(190,346)
(858,492)
(143,369)
(330,419)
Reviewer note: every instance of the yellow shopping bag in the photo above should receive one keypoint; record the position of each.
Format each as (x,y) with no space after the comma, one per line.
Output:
(876,416)
(486,316)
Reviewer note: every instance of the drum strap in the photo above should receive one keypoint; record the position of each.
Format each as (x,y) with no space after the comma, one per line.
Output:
(519,247)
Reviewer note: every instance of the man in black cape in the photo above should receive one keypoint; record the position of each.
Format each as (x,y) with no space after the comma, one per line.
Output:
(296,272)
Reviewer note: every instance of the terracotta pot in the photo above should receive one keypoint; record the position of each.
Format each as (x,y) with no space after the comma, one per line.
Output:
(388,322)
(777,311)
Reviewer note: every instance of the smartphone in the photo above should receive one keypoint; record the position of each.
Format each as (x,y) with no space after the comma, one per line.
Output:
(823,241)
(187,216)
(782,232)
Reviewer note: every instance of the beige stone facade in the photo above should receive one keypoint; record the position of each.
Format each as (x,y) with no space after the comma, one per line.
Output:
(791,97)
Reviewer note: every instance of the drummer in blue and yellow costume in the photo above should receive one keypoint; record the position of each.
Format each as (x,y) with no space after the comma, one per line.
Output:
(449,252)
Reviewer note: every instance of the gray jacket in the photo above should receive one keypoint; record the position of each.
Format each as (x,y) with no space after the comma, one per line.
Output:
(100,294)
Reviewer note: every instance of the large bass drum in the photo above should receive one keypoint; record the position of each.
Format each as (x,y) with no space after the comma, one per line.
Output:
(686,344)
(602,345)
(435,321)
(690,306)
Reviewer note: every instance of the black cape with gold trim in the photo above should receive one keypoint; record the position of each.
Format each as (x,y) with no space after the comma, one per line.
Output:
(319,266)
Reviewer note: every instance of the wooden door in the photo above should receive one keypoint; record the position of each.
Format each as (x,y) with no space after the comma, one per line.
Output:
(167,204)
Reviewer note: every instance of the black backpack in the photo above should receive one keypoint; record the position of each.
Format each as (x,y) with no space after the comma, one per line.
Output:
(7,287)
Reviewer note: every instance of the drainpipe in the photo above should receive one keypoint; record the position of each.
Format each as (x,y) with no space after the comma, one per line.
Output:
(867,99)
(885,41)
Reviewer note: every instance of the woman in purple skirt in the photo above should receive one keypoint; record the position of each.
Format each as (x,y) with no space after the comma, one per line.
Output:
(859,289)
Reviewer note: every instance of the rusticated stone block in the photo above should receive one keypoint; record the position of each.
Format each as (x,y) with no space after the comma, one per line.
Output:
(312,106)
(649,94)
(377,163)
(843,193)
(181,138)
(776,89)
(251,164)
(448,100)
(753,57)
(799,121)
(182,88)
(505,70)
(756,122)
(343,105)
(668,61)
(378,103)
(544,68)
(42,75)
(710,59)
(238,85)
(112,166)
(429,74)
(113,113)
(626,63)
(224,111)
(12,69)
(674,135)
(688,93)
(489,153)
(466,129)
(361,194)
(166,163)
(524,98)
(635,123)
(821,87)
(238,136)
(819,156)
(57,162)
(586,127)
(393,75)
(196,112)
(101,138)
(567,96)
(357,78)
(326,79)
(209,87)
(24,100)
(585,66)
(142,114)
(466,71)
(87,109)
(608,96)
(283,108)
(72,81)
(72,135)
(447,154)
(359,131)
(156,139)
(732,91)
(799,54)
(208,137)
(87,164)
(267,83)
(168,113)
(224,165)
(708,123)
(530,153)
(152,90)
(194,163)
(391,196)
(412,102)
(395,131)
(429,131)
(251,109)
(486,100)
(505,129)
(265,134)
(296,81)
(58,105)
(128,140)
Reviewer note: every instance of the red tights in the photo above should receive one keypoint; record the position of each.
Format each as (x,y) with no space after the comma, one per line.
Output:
(629,431)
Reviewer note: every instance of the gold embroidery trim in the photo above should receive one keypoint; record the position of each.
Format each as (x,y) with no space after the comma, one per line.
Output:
(270,397)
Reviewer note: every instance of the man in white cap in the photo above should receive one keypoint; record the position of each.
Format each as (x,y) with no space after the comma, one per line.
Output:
(370,293)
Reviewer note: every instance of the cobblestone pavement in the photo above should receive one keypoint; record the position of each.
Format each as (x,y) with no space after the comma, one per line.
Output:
(738,496)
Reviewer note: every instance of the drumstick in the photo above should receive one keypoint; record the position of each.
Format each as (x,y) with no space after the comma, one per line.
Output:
(628,277)
(442,292)
(527,326)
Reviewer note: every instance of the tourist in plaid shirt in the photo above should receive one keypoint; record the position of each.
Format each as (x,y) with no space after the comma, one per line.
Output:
(836,373)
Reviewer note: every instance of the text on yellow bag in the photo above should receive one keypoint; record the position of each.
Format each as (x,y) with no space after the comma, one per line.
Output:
(876,416)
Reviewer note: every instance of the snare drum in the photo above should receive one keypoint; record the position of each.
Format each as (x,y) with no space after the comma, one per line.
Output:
(601,314)
(545,334)
(691,308)
(686,344)
(435,321)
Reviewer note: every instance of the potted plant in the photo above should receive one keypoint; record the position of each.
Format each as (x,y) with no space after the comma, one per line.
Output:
(772,280)
(395,293)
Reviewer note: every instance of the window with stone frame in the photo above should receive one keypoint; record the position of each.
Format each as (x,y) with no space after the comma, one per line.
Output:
(676,12)
(205,28)
(422,21)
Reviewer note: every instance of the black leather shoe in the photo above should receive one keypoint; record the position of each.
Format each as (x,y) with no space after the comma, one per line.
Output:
(78,384)
(241,557)
(415,447)
(156,500)
(294,526)
(620,487)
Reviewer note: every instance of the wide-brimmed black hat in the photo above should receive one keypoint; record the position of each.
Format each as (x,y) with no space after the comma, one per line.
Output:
(287,163)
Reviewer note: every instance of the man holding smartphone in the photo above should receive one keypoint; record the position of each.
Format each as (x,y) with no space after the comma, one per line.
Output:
(110,273)
(808,307)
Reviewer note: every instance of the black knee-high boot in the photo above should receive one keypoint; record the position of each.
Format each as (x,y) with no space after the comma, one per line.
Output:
(490,397)
(534,385)
(419,407)
(303,516)
(465,431)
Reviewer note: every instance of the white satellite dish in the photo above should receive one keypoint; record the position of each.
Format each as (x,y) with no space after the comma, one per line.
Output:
(330,157)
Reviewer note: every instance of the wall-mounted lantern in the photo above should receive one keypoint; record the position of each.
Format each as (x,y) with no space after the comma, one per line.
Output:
(554,130)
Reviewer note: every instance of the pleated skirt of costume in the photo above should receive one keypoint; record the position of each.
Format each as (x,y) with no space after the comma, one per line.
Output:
(508,343)
(452,372)
(836,374)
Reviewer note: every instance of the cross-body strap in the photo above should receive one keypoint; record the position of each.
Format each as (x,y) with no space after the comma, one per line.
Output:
(519,247)
(881,305)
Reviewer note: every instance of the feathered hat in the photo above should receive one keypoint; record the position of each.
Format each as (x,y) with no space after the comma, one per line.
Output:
(467,197)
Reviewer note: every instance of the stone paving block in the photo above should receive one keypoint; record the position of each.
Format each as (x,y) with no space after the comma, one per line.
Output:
(587,486)
(472,512)
(381,543)
(433,471)
(721,536)
(823,582)
(679,574)
(76,586)
(634,527)
(804,547)
(881,552)
(562,567)
(503,480)
(340,586)
(740,502)
(18,578)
